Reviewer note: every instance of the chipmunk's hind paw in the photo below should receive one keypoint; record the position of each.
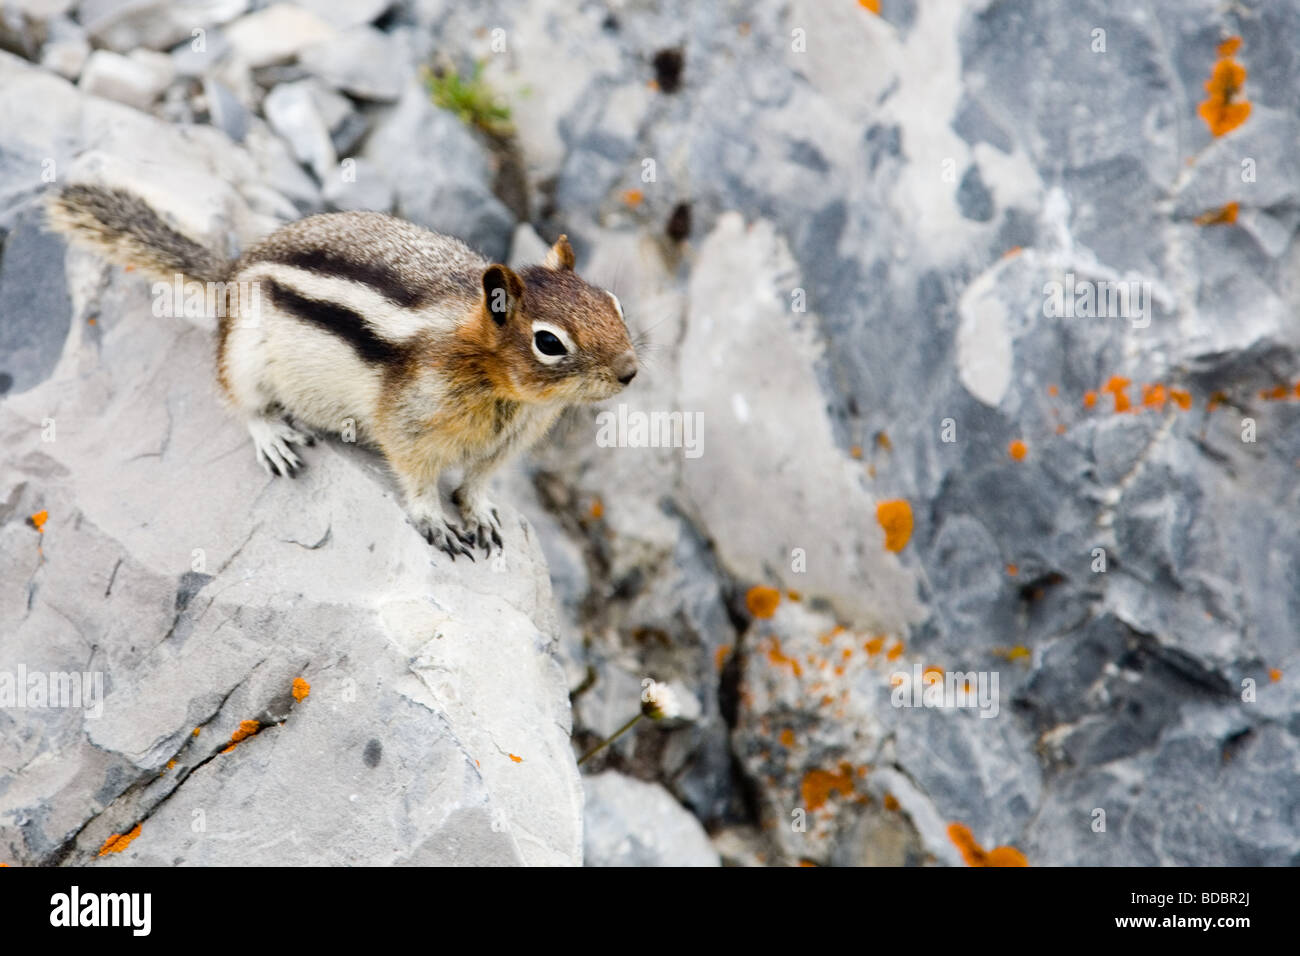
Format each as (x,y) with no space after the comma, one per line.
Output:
(274,441)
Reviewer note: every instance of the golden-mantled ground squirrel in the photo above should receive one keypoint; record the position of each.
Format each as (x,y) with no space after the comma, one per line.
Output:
(358,320)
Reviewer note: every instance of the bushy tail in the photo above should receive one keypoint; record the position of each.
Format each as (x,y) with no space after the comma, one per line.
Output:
(125,229)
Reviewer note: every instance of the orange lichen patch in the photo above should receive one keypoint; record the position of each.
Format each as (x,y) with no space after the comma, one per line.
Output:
(1216,399)
(1060,429)
(762,601)
(827,700)
(1017,450)
(1117,386)
(882,439)
(171,763)
(806,863)
(246,729)
(195,731)
(855,451)
(1013,251)
(1089,399)
(1154,396)
(974,854)
(300,689)
(90,321)
(1223,216)
(896,518)
(1181,397)
(872,5)
(936,671)
(1053,391)
(778,659)
(794,595)
(891,802)
(515,759)
(720,656)
(119,841)
(1274,675)
(1222,110)
(787,737)
(895,652)
(633,197)
(38,520)
(1019,652)
(846,653)
(1276,394)
(1013,569)
(597,509)
(874,646)
(1005,856)
(818,785)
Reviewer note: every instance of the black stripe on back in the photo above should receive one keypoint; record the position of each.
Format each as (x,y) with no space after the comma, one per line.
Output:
(338,320)
(375,275)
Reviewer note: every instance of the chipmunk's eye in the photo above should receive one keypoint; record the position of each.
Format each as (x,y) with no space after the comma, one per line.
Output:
(548,344)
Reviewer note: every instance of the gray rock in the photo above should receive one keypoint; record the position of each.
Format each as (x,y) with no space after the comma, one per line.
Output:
(453,194)
(345,14)
(124,25)
(362,61)
(358,184)
(34,302)
(633,823)
(66,49)
(136,80)
(225,111)
(291,110)
(276,34)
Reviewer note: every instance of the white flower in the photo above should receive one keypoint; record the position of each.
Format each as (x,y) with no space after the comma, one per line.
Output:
(658,701)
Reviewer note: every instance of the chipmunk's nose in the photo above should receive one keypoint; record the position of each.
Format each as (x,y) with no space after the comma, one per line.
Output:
(625,367)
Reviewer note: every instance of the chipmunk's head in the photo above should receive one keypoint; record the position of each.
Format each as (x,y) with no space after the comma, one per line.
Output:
(564,340)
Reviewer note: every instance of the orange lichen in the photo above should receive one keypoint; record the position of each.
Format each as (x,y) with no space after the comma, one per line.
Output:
(300,689)
(1017,450)
(1060,429)
(1182,398)
(874,646)
(855,451)
(818,785)
(1274,675)
(119,841)
(195,731)
(515,759)
(720,656)
(1089,399)
(171,763)
(1013,251)
(1223,216)
(975,855)
(895,652)
(891,802)
(1013,569)
(597,509)
(787,737)
(1013,653)
(633,197)
(246,729)
(1222,110)
(882,439)
(1117,386)
(778,659)
(762,601)
(38,520)
(1052,390)
(1216,399)
(896,518)
(872,5)
(794,595)
(1154,396)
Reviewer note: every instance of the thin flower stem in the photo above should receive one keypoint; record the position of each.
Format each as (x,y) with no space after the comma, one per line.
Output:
(602,745)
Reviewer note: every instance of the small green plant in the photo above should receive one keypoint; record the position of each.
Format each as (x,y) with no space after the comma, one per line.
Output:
(469,98)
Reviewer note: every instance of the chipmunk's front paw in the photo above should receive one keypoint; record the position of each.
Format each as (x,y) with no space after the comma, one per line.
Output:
(435,530)
(482,523)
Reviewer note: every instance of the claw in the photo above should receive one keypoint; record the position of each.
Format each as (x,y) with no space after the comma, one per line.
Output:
(496,539)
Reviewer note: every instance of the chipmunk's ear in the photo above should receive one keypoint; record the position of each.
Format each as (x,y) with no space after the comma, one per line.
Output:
(560,258)
(502,292)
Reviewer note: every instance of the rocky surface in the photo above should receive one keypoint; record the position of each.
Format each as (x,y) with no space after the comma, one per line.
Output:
(838,232)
